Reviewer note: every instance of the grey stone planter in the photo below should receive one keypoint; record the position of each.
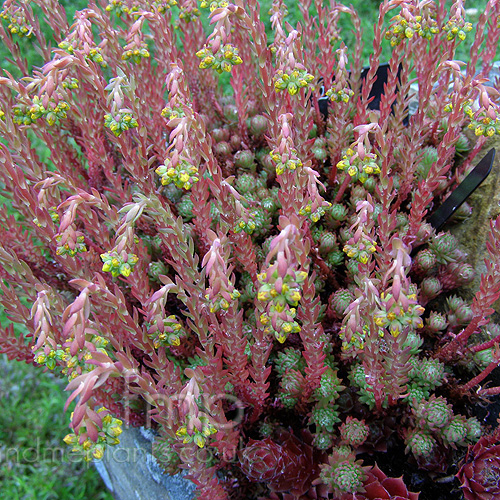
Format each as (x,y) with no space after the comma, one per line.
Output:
(131,472)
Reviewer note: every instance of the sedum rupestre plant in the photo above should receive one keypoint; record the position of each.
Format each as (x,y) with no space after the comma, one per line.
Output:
(253,278)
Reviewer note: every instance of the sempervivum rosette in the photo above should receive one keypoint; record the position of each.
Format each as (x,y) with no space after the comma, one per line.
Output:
(380,487)
(480,475)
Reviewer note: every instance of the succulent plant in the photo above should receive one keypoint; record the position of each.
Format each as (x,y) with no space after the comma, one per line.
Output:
(380,487)
(480,474)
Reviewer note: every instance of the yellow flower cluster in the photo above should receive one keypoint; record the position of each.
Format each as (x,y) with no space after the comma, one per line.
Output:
(293,81)
(340,95)
(94,54)
(215,4)
(108,435)
(313,215)
(404,29)
(117,264)
(18,24)
(120,122)
(183,175)
(359,168)
(396,316)
(481,123)
(67,249)
(361,250)
(26,115)
(287,161)
(136,55)
(171,334)
(457,29)
(197,435)
(223,60)
(280,293)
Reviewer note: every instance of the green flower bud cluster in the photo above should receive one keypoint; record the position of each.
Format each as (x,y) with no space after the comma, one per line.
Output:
(67,249)
(117,264)
(215,4)
(291,386)
(281,293)
(52,358)
(289,359)
(481,122)
(62,356)
(27,114)
(426,374)
(248,225)
(108,435)
(329,387)
(171,334)
(183,175)
(293,81)
(413,342)
(120,122)
(326,418)
(395,316)
(71,84)
(433,414)
(285,162)
(195,434)
(339,301)
(162,5)
(136,54)
(343,476)
(223,303)
(354,432)
(340,95)
(187,15)
(457,29)
(357,168)
(223,60)
(420,443)
(118,7)
(323,440)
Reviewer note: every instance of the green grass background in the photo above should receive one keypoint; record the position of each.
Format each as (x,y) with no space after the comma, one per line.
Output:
(34,461)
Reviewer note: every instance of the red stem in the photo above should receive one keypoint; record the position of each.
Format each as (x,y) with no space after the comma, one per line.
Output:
(479,378)
(485,345)
(342,189)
